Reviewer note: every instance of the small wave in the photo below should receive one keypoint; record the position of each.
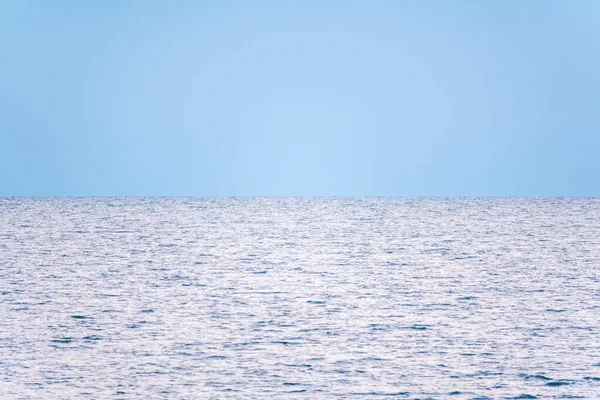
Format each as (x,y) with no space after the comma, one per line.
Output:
(559,383)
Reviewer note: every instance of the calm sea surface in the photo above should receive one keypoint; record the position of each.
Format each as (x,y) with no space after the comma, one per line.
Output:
(174,298)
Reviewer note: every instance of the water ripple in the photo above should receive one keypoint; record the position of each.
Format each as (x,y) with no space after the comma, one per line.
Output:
(300,298)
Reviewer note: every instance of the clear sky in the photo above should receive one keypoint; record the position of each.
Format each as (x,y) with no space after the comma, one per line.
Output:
(308,98)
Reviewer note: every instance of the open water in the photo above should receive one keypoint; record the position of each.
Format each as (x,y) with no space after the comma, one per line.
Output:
(308,298)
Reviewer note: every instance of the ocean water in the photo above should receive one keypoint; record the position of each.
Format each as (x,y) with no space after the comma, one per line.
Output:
(316,298)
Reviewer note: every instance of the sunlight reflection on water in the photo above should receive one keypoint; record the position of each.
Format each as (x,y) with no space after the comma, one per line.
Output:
(308,298)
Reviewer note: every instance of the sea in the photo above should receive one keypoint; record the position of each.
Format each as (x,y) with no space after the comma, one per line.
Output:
(299,298)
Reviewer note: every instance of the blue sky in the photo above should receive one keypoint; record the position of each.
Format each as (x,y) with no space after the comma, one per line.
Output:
(300,98)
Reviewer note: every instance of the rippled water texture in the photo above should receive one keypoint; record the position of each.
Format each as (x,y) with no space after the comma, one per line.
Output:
(299,298)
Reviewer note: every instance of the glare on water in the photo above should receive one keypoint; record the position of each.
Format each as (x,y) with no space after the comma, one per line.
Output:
(299,298)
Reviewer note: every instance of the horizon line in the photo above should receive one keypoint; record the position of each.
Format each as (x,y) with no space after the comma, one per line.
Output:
(295,197)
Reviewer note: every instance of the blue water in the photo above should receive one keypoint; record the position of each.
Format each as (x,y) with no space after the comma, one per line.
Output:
(171,298)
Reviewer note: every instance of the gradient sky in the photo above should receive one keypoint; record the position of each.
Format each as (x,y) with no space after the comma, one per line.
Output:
(309,98)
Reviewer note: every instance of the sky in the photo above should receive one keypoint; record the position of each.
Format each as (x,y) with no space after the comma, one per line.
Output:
(300,98)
